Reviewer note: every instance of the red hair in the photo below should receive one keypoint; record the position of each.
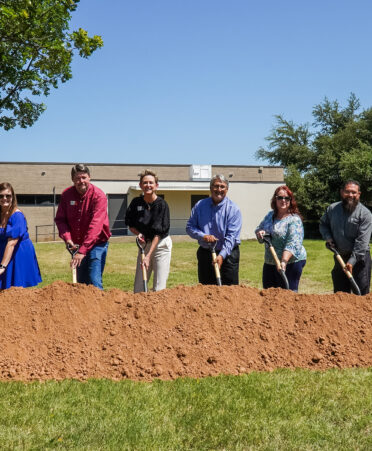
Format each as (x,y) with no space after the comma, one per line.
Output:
(293,208)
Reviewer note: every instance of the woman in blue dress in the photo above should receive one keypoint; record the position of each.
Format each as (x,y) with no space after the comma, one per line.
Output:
(284,224)
(18,263)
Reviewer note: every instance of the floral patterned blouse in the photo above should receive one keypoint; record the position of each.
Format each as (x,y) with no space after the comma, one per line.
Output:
(286,234)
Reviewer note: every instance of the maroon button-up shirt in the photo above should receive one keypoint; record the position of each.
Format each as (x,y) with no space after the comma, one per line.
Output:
(83,219)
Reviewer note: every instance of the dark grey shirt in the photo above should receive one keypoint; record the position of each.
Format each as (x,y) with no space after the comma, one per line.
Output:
(350,231)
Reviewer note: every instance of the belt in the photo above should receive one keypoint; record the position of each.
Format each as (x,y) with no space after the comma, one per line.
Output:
(218,250)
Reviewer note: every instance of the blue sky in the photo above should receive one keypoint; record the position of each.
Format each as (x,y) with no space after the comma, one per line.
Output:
(198,81)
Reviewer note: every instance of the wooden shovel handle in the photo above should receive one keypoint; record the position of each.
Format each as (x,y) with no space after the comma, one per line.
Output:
(275,257)
(74,275)
(343,266)
(144,271)
(216,268)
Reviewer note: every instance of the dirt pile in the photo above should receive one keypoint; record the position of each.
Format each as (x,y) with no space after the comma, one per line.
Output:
(65,331)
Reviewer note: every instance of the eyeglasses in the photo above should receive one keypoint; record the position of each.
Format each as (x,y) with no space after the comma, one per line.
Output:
(221,187)
(286,198)
(5,196)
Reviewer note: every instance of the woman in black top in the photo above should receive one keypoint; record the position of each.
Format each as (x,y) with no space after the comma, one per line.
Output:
(148,217)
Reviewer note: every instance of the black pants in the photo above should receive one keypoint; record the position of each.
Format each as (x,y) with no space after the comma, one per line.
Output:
(229,269)
(272,278)
(361,274)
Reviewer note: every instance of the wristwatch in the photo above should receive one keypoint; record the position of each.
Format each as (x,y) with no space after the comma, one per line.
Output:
(2,266)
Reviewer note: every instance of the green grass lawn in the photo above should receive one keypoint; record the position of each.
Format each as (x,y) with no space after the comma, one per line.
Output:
(269,411)
(280,410)
(120,268)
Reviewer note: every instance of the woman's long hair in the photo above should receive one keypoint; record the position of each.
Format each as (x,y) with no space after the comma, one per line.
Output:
(13,204)
(293,208)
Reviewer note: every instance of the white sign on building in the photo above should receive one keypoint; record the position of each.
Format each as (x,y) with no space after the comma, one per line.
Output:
(200,172)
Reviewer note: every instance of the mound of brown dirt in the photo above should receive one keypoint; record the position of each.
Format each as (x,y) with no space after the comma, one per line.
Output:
(65,331)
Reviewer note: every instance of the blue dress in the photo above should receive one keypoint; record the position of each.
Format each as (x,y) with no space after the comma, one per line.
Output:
(23,269)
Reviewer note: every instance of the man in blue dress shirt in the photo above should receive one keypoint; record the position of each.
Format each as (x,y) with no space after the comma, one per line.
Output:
(217,219)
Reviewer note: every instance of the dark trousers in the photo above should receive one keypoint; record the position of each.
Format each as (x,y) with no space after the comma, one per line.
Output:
(229,269)
(271,278)
(361,274)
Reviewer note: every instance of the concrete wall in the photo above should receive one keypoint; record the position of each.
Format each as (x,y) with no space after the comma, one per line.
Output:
(40,178)
(252,198)
(251,187)
(180,208)
(250,173)
(254,202)
(38,216)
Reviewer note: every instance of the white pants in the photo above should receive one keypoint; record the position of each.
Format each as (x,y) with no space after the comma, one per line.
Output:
(159,263)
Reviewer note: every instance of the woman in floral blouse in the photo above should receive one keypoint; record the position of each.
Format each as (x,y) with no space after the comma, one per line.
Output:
(284,224)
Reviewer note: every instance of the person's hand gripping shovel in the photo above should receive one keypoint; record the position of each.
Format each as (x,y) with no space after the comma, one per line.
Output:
(215,264)
(141,246)
(267,240)
(73,250)
(353,284)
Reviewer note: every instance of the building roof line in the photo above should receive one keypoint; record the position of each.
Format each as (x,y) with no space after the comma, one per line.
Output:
(140,164)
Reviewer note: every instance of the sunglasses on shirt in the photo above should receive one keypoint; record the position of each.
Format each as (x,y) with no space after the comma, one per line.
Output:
(286,198)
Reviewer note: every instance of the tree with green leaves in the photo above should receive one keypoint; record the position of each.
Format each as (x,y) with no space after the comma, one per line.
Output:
(36,51)
(318,158)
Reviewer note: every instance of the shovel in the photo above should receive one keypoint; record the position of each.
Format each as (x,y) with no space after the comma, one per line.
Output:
(267,240)
(141,247)
(353,284)
(73,250)
(215,264)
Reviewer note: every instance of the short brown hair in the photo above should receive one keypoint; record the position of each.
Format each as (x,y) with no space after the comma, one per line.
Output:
(149,172)
(80,167)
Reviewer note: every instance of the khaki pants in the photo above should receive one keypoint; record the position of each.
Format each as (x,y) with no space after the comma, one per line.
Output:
(159,264)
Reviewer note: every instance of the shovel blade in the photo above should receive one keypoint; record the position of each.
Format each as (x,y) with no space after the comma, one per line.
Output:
(285,280)
(145,288)
(354,286)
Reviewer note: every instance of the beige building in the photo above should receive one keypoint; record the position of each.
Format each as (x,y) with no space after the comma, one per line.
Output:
(39,185)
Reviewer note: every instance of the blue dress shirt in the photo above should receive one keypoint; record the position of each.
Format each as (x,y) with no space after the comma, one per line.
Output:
(223,220)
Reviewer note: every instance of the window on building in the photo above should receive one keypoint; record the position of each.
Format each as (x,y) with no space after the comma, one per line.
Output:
(117,207)
(196,197)
(37,200)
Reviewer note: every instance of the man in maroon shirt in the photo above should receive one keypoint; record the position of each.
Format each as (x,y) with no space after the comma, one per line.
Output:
(82,220)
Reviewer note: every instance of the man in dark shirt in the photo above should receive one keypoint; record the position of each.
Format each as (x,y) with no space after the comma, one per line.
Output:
(347,225)
(82,220)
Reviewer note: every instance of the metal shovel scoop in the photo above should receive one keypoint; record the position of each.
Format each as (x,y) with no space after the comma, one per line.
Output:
(353,284)
(267,240)
(141,247)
